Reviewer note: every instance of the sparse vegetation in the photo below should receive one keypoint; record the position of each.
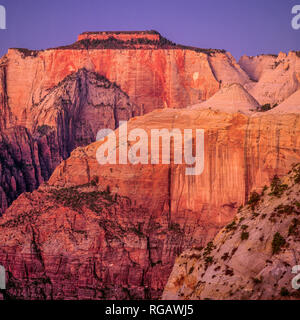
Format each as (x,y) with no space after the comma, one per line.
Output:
(293,227)
(277,188)
(296,171)
(244,235)
(95,180)
(207,251)
(209,260)
(284,292)
(231,226)
(191,270)
(198,248)
(209,247)
(225,256)
(254,199)
(135,44)
(257,280)
(229,272)
(265,188)
(266,107)
(277,243)
(27,53)
(284,209)
(74,198)
(195,256)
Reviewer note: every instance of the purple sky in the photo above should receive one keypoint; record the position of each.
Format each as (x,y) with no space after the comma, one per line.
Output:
(240,26)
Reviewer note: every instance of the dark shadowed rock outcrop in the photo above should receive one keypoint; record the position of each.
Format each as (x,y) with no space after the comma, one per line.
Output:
(69,116)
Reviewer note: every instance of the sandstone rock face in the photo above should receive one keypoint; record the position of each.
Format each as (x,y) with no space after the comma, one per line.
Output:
(277,76)
(55,92)
(113,231)
(290,105)
(153,77)
(227,70)
(246,138)
(24,163)
(99,246)
(231,98)
(255,66)
(70,115)
(78,107)
(252,257)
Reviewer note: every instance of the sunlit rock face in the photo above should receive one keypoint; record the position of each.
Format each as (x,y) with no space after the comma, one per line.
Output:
(290,105)
(69,116)
(113,231)
(230,98)
(62,97)
(155,73)
(254,257)
(275,77)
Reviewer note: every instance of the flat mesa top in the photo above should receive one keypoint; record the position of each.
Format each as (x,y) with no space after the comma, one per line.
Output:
(133,40)
(122,32)
(150,35)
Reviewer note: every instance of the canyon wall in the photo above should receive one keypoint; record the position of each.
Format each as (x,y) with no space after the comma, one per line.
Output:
(252,258)
(152,78)
(69,116)
(71,92)
(113,231)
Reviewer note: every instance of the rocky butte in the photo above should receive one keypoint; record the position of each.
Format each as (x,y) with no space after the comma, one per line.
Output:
(62,96)
(139,36)
(114,231)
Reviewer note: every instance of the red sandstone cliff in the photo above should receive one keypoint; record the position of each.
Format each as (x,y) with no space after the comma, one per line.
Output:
(68,116)
(53,92)
(113,231)
(166,75)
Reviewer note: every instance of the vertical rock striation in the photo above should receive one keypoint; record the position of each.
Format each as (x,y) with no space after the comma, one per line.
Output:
(114,231)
